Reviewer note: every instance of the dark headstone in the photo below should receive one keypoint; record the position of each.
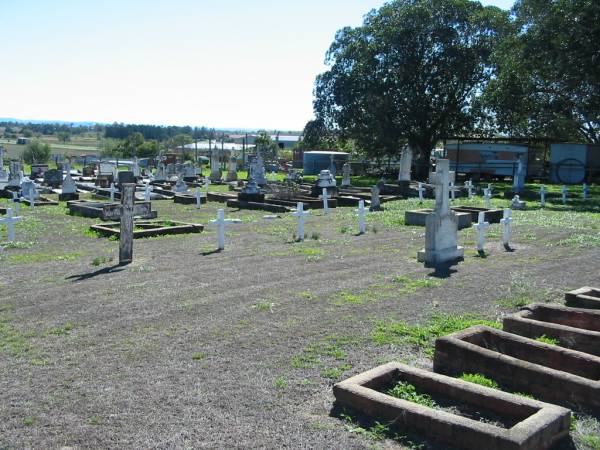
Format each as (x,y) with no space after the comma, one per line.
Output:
(126,177)
(53,178)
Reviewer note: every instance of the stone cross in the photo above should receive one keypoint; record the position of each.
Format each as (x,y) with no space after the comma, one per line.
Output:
(147,191)
(542,195)
(481,226)
(469,186)
(506,221)
(300,214)
(421,190)
(198,197)
(487,197)
(564,191)
(586,191)
(325,196)
(362,228)
(112,192)
(10,221)
(441,179)
(125,212)
(452,191)
(220,223)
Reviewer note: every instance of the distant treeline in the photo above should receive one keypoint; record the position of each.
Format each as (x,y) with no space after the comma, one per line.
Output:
(47,128)
(156,132)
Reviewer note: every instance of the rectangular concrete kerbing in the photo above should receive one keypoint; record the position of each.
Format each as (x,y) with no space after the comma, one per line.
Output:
(584,297)
(541,425)
(575,328)
(547,371)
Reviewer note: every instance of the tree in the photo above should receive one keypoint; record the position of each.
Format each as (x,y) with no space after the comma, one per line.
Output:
(149,149)
(182,140)
(132,143)
(63,136)
(410,72)
(316,136)
(268,148)
(37,152)
(548,83)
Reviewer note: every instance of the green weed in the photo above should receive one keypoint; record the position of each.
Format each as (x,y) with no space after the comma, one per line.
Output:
(264,306)
(62,331)
(198,356)
(29,420)
(547,340)
(280,382)
(406,391)
(480,379)
(335,373)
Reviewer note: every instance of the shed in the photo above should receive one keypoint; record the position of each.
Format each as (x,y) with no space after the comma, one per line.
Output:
(315,161)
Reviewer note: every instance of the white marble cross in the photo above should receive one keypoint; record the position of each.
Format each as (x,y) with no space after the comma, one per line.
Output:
(506,221)
(112,192)
(362,211)
(421,190)
(198,197)
(542,195)
(220,223)
(481,226)
(586,191)
(452,191)
(300,214)
(325,196)
(487,197)
(469,186)
(10,221)
(564,191)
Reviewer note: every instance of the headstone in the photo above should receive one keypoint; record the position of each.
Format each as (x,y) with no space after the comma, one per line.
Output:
(361,211)
(506,222)
(542,195)
(9,220)
(251,192)
(106,169)
(3,174)
(135,168)
(421,190)
(29,190)
(326,179)
(53,178)
(300,214)
(487,198)
(441,226)
(147,192)
(126,177)
(452,191)
(37,170)
(15,177)
(198,197)
(206,184)
(469,187)
(481,226)
(564,193)
(215,165)
(161,174)
(586,191)
(112,190)
(375,197)
(346,171)
(232,169)
(517,203)
(69,189)
(325,196)
(220,223)
(405,164)
(519,177)
(181,186)
(257,170)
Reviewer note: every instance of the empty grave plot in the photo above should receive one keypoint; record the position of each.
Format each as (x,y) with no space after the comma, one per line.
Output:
(575,328)
(98,210)
(462,414)
(149,228)
(585,297)
(549,372)
(40,201)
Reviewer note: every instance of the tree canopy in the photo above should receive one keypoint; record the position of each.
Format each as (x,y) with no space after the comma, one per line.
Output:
(409,73)
(37,152)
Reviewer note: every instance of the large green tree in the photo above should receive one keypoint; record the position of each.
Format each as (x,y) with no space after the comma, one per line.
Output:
(409,73)
(548,81)
(37,152)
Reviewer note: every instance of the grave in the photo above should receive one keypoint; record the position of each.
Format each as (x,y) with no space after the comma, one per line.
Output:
(30,196)
(215,166)
(585,297)
(149,228)
(53,178)
(251,192)
(549,372)
(375,197)
(404,170)
(180,187)
(481,227)
(232,170)
(300,214)
(38,170)
(10,220)
(490,215)
(126,177)
(220,222)
(574,328)
(257,170)
(517,203)
(441,225)
(346,171)
(68,189)
(535,425)
(419,216)
(3,174)
(326,180)
(188,199)
(100,210)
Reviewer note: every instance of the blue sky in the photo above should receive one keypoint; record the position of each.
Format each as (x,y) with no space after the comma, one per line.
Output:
(227,63)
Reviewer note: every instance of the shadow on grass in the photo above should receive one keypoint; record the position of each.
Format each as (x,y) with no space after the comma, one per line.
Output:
(104,271)
(444,270)
(211,252)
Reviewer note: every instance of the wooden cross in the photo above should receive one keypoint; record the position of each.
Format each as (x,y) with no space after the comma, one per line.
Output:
(10,221)
(300,214)
(125,212)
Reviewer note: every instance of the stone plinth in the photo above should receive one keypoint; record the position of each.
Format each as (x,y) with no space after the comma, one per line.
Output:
(419,216)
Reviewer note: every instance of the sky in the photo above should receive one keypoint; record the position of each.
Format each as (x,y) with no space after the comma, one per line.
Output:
(218,63)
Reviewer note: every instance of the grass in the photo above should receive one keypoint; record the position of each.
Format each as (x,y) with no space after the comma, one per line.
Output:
(280,382)
(32,258)
(198,356)
(591,440)
(329,353)
(62,331)
(410,285)
(29,420)
(423,336)
(479,379)
(98,261)
(264,306)
(406,391)
(548,340)
(377,432)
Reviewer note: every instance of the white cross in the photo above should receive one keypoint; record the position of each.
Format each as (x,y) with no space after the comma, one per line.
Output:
(487,198)
(15,199)
(112,192)
(198,197)
(206,184)
(490,188)
(452,194)
(325,198)
(564,194)
(362,228)
(147,191)
(586,191)
(300,214)
(220,223)
(506,221)
(481,226)
(469,186)
(9,221)
(421,190)
(542,195)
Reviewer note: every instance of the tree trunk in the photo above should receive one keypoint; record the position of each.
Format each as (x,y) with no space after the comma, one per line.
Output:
(421,157)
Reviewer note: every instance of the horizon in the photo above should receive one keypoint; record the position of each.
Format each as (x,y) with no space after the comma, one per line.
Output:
(260,75)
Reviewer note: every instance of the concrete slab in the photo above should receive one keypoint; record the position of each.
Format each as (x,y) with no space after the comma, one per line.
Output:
(538,425)
(585,297)
(549,372)
(575,328)
(418,217)
(491,215)
(149,228)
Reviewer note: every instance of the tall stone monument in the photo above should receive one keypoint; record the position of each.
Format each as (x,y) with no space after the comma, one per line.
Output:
(441,226)
(519,177)
(232,169)
(346,171)
(3,174)
(215,165)
(257,170)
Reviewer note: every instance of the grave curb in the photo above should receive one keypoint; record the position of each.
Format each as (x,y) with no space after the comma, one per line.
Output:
(455,355)
(544,424)
(581,298)
(181,228)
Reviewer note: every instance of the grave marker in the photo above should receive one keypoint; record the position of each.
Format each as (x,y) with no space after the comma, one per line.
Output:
(586,191)
(346,169)
(325,198)
(469,186)
(198,197)
(452,192)
(147,191)
(506,221)
(481,226)
(10,222)
(300,214)
(112,192)
(220,223)
(487,197)
(362,228)
(564,193)
(421,190)
(17,204)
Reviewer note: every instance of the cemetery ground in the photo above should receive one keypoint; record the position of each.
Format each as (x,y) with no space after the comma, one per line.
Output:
(189,347)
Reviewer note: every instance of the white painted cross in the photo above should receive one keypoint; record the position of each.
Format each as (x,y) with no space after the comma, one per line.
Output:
(506,221)
(17,204)
(481,226)
(113,190)
(421,190)
(362,228)
(300,214)
(220,223)
(206,184)
(487,197)
(469,186)
(198,197)
(542,195)
(586,191)
(325,198)
(564,191)
(147,190)
(452,191)
(10,221)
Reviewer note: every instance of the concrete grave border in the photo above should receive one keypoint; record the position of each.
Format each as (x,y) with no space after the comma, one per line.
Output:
(543,424)
(154,228)
(98,209)
(522,364)
(40,201)
(491,215)
(584,340)
(418,216)
(584,297)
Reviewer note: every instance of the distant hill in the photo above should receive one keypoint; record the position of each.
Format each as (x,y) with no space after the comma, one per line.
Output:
(75,124)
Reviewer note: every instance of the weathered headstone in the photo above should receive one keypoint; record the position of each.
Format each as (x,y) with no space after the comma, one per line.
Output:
(69,189)
(506,222)
(161,174)
(180,186)
(220,223)
(198,197)
(441,226)
(519,176)
(481,227)
(469,187)
(452,191)
(10,220)
(346,171)
(147,192)
(517,203)
(405,165)
(300,214)
(53,178)
(135,168)
(3,174)
(29,190)
(421,189)
(257,170)
(112,190)
(487,198)
(232,169)
(376,197)
(125,177)
(215,165)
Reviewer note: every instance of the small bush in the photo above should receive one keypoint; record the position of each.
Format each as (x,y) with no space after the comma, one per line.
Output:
(408,392)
